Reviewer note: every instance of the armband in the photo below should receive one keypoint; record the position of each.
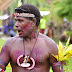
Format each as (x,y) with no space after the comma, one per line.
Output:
(1,70)
(57,64)
(1,61)
(3,65)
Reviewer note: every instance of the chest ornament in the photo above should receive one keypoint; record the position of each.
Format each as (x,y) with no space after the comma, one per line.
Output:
(26,62)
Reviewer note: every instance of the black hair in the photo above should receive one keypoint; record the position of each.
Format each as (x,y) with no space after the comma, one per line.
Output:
(29,8)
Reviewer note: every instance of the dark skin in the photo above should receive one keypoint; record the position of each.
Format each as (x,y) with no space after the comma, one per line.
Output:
(41,53)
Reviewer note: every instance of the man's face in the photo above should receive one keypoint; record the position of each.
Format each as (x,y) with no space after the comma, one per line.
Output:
(23,26)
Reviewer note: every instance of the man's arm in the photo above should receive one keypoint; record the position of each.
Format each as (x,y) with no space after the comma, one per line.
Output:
(56,66)
(4,56)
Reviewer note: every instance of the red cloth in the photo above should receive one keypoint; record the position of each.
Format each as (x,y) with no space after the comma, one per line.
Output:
(42,31)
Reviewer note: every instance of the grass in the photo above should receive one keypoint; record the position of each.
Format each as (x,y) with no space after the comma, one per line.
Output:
(2,42)
(68,68)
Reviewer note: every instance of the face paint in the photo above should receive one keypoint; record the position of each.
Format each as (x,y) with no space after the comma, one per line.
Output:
(26,25)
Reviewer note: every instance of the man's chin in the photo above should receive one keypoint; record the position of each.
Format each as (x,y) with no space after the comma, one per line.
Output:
(22,36)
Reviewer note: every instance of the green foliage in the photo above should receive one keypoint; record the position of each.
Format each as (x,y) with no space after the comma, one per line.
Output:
(2,42)
(41,4)
(68,68)
(43,9)
(69,33)
(8,69)
(63,8)
(36,2)
(13,5)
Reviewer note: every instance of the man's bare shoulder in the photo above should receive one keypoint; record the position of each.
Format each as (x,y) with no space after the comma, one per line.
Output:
(50,44)
(47,39)
(11,40)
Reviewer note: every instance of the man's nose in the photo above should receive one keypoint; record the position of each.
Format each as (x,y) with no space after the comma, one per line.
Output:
(17,24)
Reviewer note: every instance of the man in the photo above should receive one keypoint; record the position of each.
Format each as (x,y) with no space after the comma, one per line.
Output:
(50,30)
(42,25)
(30,51)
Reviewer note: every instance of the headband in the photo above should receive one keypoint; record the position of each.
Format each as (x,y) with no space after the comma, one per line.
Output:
(22,15)
(25,15)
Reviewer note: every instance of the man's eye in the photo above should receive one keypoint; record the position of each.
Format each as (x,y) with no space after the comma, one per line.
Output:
(20,20)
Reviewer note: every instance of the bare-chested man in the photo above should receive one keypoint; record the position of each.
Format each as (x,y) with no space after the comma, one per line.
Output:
(30,51)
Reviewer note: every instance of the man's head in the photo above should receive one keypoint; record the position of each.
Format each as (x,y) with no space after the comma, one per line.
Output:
(27,19)
(29,9)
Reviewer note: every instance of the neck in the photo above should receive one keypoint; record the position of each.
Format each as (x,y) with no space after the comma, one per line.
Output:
(34,34)
(31,36)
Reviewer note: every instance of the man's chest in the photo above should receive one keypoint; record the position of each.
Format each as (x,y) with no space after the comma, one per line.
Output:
(38,53)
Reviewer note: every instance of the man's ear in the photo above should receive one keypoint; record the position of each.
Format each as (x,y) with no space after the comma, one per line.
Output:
(34,21)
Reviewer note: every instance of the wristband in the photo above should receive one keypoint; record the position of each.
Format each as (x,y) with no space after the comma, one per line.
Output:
(57,64)
(1,70)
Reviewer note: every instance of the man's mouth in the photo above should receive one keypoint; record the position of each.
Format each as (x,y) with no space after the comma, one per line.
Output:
(20,32)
